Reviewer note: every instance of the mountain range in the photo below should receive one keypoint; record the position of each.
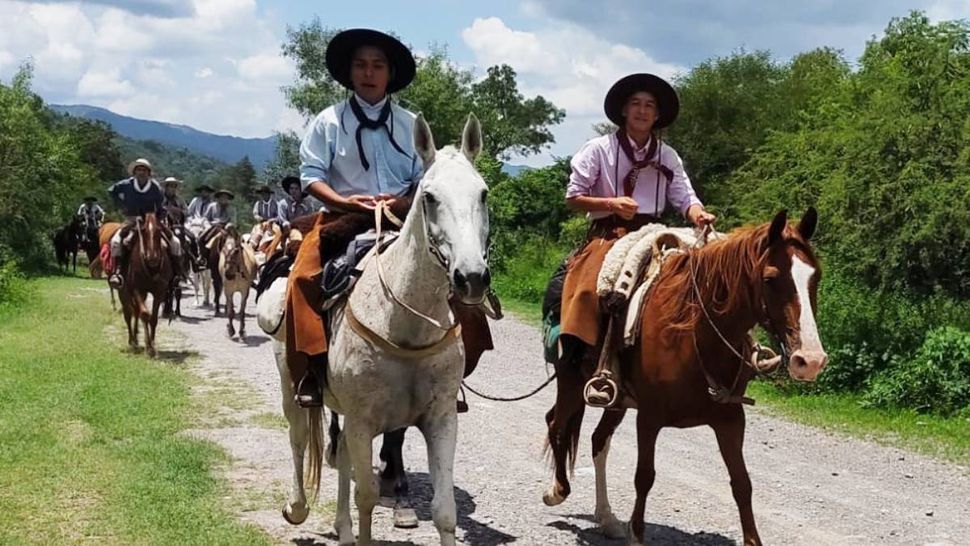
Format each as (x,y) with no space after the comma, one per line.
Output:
(228,149)
(224,148)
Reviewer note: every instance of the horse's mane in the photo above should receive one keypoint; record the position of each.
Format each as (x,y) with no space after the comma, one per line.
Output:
(727,276)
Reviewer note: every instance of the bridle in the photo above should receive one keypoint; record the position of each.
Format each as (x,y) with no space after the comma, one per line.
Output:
(719,393)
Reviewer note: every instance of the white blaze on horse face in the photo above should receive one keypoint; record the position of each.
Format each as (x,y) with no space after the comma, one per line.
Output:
(801,274)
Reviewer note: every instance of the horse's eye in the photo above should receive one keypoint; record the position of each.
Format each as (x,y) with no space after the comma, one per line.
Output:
(484,196)
(430,199)
(770,274)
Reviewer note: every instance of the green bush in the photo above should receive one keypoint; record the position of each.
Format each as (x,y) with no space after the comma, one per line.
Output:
(864,330)
(527,267)
(936,380)
(13,286)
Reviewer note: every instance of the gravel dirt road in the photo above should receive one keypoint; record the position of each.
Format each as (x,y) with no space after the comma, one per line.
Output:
(810,487)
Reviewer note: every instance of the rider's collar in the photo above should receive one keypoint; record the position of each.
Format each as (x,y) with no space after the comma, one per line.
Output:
(148,185)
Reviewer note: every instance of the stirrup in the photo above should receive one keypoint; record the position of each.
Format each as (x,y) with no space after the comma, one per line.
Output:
(308,400)
(601,391)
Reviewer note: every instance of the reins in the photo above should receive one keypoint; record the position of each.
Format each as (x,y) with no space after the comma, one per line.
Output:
(719,393)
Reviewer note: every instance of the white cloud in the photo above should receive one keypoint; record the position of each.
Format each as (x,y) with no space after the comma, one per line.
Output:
(265,67)
(164,60)
(566,64)
(104,84)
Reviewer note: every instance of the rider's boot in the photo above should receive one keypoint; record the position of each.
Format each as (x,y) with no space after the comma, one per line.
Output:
(115,280)
(309,391)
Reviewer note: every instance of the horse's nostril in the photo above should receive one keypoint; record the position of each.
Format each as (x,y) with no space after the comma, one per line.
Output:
(460,279)
(798,361)
(487,277)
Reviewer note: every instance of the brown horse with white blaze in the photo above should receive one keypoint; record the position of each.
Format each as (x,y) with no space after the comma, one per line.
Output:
(149,271)
(686,367)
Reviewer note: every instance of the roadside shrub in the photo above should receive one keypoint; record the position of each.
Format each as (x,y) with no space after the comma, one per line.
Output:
(936,380)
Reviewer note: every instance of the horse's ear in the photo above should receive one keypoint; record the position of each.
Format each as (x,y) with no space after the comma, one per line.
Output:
(808,223)
(423,141)
(471,138)
(777,227)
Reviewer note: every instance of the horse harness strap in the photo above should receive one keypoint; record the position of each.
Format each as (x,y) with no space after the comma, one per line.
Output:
(379,211)
(719,393)
(452,335)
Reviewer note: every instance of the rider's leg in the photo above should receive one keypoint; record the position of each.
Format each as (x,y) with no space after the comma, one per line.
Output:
(115,279)
(306,338)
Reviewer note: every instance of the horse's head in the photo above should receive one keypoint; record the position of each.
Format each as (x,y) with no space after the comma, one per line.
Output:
(790,274)
(231,251)
(451,200)
(151,243)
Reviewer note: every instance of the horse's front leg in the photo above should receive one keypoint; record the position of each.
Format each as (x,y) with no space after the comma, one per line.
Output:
(647,432)
(730,440)
(243,296)
(230,313)
(441,434)
(151,323)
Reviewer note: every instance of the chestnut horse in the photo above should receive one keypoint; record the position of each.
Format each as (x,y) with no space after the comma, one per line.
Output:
(686,367)
(149,271)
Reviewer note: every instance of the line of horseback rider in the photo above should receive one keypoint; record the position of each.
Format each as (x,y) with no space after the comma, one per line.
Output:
(141,194)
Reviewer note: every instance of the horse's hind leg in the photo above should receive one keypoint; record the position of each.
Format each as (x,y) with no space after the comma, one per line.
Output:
(730,439)
(296,509)
(343,523)
(647,432)
(564,420)
(394,480)
(359,447)
(612,527)
(151,323)
(334,433)
(441,436)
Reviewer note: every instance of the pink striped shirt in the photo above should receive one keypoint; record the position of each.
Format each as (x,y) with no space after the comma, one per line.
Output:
(599,167)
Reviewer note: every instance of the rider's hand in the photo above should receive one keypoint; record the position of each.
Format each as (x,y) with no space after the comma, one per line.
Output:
(624,207)
(360,203)
(700,217)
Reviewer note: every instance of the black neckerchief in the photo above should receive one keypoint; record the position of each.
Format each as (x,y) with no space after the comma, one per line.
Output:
(364,122)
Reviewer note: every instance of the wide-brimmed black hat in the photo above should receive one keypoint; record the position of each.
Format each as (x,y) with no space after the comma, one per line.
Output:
(263,188)
(90,198)
(224,192)
(667,102)
(289,181)
(204,187)
(341,50)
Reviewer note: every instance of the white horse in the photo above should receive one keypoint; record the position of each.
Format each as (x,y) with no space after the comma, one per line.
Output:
(396,358)
(201,280)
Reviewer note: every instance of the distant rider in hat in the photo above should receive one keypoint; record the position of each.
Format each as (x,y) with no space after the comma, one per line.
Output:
(136,196)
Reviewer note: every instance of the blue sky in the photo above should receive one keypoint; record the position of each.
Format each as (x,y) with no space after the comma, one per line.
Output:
(215,64)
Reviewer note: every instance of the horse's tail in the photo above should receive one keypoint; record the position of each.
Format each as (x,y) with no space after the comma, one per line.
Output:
(315,449)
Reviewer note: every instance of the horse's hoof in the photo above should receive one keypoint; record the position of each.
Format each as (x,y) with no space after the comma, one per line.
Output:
(612,527)
(634,541)
(152,353)
(405,518)
(552,498)
(295,516)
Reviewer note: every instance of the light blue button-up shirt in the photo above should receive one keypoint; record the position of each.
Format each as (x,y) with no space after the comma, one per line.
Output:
(329,153)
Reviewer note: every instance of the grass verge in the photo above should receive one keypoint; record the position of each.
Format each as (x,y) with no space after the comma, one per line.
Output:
(940,437)
(90,443)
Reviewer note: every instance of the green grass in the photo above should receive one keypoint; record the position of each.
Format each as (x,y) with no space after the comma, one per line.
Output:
(943,438)
(91,443)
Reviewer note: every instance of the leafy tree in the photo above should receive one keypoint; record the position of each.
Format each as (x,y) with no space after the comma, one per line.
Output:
(286,160)
(444,92)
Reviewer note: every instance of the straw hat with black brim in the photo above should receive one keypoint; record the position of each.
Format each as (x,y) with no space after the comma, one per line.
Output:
(225,192)
(340,55)
(140,162)
(263,189)
(204,187)
(668,104)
